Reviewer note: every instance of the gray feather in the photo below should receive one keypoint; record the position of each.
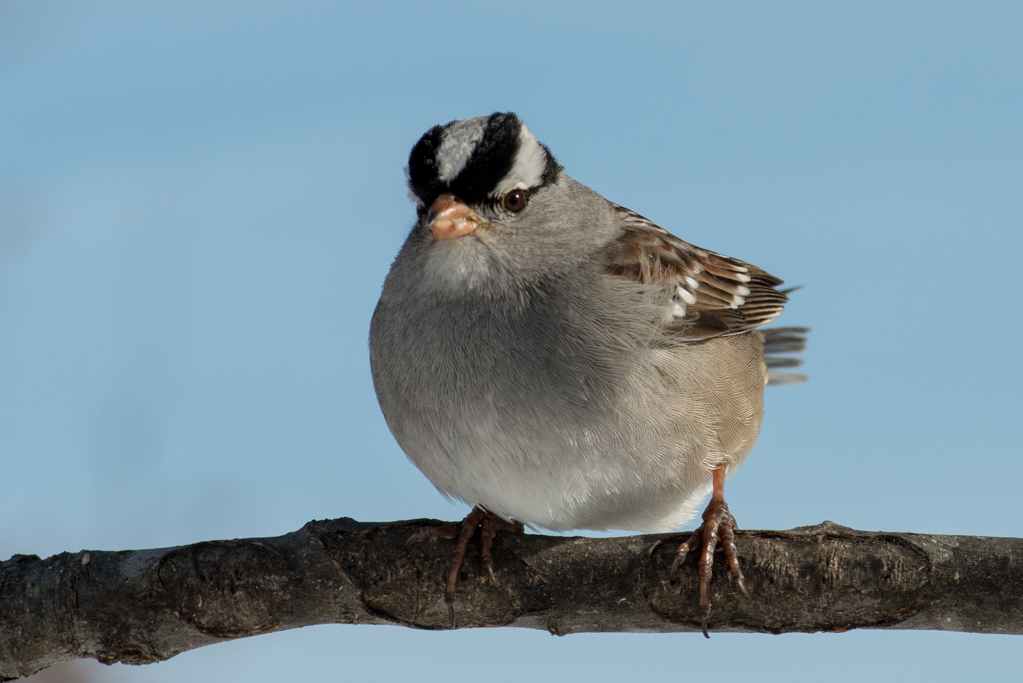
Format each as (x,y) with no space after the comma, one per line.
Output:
(523,369)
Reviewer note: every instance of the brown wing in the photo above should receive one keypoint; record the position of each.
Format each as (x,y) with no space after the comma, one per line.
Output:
(714,295)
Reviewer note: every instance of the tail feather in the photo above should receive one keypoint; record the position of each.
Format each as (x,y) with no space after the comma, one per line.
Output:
(780,379)
(779,340)
(780,362)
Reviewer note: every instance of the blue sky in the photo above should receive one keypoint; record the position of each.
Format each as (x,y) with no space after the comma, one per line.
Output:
(199,202)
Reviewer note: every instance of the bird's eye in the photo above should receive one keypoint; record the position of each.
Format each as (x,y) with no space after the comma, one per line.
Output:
(515,200)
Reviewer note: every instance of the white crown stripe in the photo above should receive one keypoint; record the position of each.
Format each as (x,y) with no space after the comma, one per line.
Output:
(457,144)
(529,166)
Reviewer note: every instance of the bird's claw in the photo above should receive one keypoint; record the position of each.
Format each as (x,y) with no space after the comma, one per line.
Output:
(704,617)
(450,602)
(718,525)
(488,525)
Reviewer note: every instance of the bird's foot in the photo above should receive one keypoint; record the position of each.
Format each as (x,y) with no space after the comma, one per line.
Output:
(718,524)
(488,525)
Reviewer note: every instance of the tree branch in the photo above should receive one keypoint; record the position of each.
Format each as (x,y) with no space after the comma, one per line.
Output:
(141,606)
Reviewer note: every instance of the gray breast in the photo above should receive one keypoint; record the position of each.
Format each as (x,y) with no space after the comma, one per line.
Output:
(545,407)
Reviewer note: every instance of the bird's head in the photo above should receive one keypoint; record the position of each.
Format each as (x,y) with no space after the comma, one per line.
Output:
(493,202)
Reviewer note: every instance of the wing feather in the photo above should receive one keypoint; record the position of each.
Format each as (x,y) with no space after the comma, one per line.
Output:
(715,295)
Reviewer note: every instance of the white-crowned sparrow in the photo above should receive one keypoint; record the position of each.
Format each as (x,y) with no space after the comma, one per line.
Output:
(557,360)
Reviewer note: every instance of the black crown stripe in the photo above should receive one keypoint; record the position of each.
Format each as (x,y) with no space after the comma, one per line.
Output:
(488,164)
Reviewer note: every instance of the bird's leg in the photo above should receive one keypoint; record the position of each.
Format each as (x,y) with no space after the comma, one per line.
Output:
(487,533)
(718,523)
(469,526)
(488,524)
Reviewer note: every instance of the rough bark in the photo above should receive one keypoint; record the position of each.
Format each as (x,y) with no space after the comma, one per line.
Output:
(142,606)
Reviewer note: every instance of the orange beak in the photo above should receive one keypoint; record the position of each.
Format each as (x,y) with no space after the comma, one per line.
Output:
(450,217)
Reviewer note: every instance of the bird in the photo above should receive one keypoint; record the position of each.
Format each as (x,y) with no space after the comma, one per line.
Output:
(560,362)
